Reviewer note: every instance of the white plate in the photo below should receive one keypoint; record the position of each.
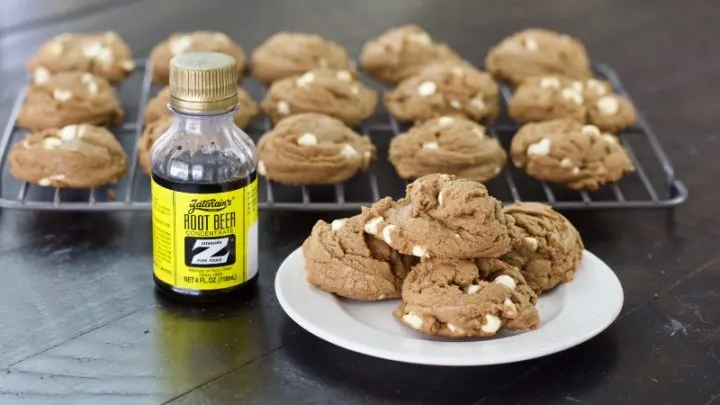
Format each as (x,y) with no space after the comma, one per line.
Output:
(571,314)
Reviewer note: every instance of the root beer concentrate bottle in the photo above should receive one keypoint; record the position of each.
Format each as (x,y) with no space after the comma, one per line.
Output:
(204,185)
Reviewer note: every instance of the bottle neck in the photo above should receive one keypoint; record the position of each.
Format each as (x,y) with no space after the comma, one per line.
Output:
(199,123)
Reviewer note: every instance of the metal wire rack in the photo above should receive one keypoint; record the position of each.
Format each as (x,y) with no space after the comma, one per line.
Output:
(653,185)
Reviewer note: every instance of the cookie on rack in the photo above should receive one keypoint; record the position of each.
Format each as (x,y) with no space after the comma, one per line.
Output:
(448,89)
(546,247)
(450,298)
(402,52)
(157,108)
(102,54)
(291,53)
(337,93)
(57,100)
(311,148)
(587,101)
(75,156)
(341,259)
(538,52)
(567,152)
(151,133)
(197,41)
(442,217)
(452,145)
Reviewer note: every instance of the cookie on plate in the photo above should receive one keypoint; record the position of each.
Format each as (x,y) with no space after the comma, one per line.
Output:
(449,298)
(197,41)
(290,53)
(442,217)
(150,135)
(451,145)
(402,52)
(102,54)
(157,108)
(55,101)
(592,101)
(337,93)
(538,52)
(75,156)
(445,89)
(565,151)
(546,247)
(341,259)
(313,149)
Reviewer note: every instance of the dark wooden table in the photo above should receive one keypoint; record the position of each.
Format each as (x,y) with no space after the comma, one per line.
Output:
(81,324)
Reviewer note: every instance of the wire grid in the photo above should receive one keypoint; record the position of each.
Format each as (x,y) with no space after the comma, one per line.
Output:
(651,187)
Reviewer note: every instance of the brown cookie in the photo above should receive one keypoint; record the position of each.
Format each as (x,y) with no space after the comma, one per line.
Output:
(289,54)
(197,41)
(102,54)
(341,259)
(451,145)
(442,217)
(157,108)
(538,52)
(55,101)
(552,97)
(402,52)
(565,151)
(150,135)
(546,247)
(313,149)
(337,93)
(449,298)
(76,156)
(445,89)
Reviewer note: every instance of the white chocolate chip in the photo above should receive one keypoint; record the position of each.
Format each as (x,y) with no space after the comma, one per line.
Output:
(608,105)
(509,308)
(413,320)
(455,104)
(387,231)
(355,90)
(344,75)
(348,151)
(458,71)
(597,86)
(610,138)
(337,224)
(566,162)
(497,170)
(51,143)
(367,155)
(372,225)
(96,50)
(571,94)
(590,130)
(105,55)
(578,86)
(382,297)
(431,145)
(492,324)
(261,168)
(419,251)
(41,75)
(478,104)
(72,132)
(220,37)
(541,148)
(453,328)
(479,132)
(444,121)
(62,95)
(283,108)
(532,243)
(426,89)
(323,62)
(472,289)
(550,82)
(421,38)
(576,171)
(505,280)
(128,65)
(90,83)
(305,79)
(530,44)
(307,139)
(44,182)
(440,197)
(57,48)
(180,44)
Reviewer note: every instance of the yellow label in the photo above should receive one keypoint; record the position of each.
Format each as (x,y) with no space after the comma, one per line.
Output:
(204,241)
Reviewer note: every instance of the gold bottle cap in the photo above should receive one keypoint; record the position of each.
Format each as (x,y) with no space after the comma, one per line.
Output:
(203,82)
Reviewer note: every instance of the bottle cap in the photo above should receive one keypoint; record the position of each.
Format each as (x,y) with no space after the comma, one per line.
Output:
(203,82)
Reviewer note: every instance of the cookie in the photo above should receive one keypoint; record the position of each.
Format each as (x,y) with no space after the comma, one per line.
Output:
(402,52)
(538,52)
(102,54)
(150,135)
(546,247)
(450,145)
(66,98)
(75,156)
(449,298)
(442,217)
(565,151)
(290,54)
(552,97)
(341,259)
(157,108)
(337,93)
(445,89)
(197,41)
(313,149)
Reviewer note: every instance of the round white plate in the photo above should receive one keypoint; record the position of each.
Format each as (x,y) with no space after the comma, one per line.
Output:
(571,314)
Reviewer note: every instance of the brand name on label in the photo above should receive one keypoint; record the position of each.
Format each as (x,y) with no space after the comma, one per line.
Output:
(211,205)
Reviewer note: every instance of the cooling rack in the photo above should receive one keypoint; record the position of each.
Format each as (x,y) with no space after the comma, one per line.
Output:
(652,186)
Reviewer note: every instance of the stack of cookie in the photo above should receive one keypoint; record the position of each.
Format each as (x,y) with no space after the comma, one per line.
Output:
(462,265)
